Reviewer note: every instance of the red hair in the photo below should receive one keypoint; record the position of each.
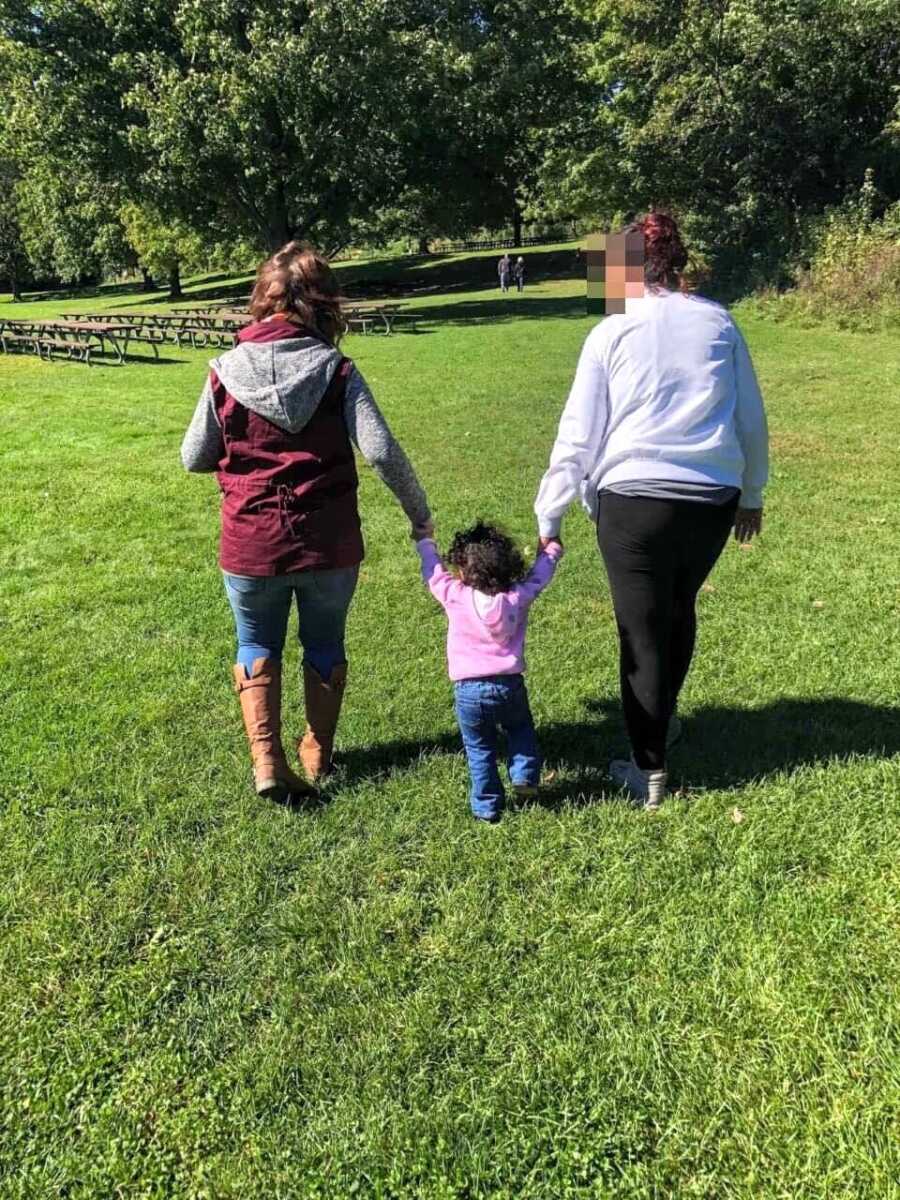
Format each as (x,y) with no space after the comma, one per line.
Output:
(665,256)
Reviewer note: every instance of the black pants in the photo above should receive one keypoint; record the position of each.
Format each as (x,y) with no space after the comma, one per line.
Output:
(657,555)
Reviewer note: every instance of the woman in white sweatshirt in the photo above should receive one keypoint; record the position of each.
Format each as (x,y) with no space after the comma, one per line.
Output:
(664,437)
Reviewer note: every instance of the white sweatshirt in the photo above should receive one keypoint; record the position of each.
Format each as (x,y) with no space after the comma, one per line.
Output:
(664,391)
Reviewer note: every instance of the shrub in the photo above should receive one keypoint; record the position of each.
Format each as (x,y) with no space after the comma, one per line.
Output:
(848,273)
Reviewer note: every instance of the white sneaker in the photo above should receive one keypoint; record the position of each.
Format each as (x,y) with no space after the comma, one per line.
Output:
(674,732)
(647,788)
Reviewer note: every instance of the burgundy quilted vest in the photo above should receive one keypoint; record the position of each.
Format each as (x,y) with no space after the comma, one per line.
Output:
(289,499)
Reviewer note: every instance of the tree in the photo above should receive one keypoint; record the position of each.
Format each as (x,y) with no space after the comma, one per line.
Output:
(59,113)
(527,80)
(743,116)
(13,257)
(165,247)
(503,76)
(295,116)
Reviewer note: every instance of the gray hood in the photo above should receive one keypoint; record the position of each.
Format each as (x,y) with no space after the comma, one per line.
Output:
(284,381)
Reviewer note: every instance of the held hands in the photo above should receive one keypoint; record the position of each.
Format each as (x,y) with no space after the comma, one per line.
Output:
(747,523)
(545,542)
(419,532)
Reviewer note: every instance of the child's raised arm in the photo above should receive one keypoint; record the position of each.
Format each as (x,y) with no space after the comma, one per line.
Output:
(440,582)
(541,573)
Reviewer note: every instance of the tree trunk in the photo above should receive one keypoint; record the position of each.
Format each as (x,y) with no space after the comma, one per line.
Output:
(16,288)
(517,225)
(278,229)
(423,244)
(148,283)
(175,292)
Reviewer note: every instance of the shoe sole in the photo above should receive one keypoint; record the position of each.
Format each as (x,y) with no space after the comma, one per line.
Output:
(275,789)
(272,789)
(636,800)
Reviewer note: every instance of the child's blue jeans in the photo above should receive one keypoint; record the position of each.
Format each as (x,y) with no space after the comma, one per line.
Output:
(262,606)
(484,706)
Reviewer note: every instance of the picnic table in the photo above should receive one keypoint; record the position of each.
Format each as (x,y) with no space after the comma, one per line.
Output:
(149,326)
(225,318)
(386,313)
(59,335)
(106,334)
(209,307)
(196,326)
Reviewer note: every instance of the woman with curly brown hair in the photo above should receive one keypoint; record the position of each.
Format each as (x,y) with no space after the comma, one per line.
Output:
(487,603)
(664,436)
(277,422)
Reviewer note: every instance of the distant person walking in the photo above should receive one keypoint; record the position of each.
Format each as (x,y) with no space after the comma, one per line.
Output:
(664,435)
(277,422)
(519,273)
(504,267)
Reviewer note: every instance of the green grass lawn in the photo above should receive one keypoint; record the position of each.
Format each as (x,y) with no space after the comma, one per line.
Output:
(205,996)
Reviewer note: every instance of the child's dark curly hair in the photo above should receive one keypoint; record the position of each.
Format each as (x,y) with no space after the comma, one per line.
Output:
(486,559)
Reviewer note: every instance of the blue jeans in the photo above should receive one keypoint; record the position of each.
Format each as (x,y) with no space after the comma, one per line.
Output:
(262,605)
(484,706)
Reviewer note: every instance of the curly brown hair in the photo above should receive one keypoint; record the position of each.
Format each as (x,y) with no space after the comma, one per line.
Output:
(486,559)
(298,282)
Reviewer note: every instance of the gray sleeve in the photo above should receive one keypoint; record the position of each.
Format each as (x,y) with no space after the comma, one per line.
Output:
(370,434)
(203,445)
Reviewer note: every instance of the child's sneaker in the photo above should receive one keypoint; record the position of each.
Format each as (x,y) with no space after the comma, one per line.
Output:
(488,819)
(646,788)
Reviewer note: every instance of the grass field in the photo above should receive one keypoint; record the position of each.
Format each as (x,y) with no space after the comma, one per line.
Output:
(205,996)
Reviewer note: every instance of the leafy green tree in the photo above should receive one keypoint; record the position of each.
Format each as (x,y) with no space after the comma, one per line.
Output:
(163,246)
(72,227)
(14,264)
(743,114)
(294,118)
(66,76)
(293,115)
(526,82)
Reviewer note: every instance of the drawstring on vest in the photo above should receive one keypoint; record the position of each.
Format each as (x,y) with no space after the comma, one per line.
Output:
(287,513)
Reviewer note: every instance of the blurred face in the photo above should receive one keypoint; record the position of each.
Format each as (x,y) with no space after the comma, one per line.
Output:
(624,265)
(615,271)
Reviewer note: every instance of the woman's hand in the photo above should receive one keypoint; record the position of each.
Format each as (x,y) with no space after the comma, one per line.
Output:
(747,523)
(544,542)
(419,532)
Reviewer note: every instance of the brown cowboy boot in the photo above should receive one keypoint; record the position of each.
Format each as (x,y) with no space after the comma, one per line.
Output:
(260,697)
(323,707)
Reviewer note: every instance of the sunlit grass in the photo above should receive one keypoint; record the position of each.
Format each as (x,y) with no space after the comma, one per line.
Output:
(202,995)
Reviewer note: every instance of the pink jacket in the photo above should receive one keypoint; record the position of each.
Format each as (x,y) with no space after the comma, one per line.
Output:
(486,634)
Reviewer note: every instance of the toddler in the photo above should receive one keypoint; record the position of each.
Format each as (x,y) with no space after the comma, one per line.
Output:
(487,605)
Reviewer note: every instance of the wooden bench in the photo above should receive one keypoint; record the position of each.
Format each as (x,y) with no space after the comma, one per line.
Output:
(19,341)
(354,324)
(73,350)
(46,347)
(200,337)
(392,313)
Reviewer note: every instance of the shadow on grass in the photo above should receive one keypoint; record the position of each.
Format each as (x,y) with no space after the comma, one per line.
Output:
(94,291)
(142,360)
(503,308)
(234,293)
(721,748)
(728,747)
(448,272)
